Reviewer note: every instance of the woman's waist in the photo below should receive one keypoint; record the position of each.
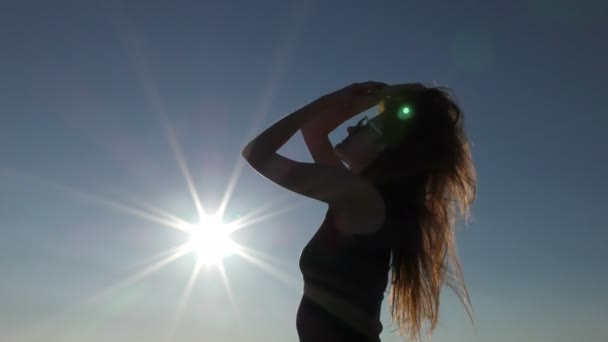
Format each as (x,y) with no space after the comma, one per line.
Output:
(366,294)
(359,316)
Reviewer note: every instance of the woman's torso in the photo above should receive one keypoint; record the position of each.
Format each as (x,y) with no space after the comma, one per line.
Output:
(345,277)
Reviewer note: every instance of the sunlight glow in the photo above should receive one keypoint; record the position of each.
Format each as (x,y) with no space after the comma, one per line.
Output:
(211,241)
(210,238)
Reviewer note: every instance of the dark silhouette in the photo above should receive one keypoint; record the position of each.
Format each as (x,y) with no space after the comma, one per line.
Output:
(392,210)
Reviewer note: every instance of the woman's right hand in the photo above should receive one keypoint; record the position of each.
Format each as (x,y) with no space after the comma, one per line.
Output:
(397,89)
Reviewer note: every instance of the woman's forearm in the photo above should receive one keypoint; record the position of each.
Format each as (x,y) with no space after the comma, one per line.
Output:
(325,124)
(275,136)
(322,115)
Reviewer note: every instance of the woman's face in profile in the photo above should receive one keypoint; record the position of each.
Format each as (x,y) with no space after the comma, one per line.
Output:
(362,144)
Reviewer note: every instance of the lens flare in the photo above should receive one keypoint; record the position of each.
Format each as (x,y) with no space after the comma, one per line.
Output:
(404,113)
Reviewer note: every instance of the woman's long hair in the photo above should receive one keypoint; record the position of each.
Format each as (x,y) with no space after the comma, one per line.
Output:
(424,176)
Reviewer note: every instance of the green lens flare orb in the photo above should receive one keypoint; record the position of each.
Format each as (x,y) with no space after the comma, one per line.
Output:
(404,113)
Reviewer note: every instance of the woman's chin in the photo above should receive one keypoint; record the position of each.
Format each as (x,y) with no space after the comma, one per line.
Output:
(340,152)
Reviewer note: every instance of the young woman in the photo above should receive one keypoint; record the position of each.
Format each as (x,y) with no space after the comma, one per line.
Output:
(391,209)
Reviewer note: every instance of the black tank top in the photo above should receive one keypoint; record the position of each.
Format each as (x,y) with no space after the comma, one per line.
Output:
(345,278)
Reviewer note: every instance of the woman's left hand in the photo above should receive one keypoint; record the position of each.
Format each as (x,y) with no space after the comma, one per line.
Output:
(353,99)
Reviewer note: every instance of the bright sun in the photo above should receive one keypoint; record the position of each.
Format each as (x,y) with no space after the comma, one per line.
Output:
(211,241)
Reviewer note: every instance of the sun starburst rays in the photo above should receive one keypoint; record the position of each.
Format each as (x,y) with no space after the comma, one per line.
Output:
(184,297)
(206,261)
(264,213)
(276,273)
(138,276)
(201,243)
(147,268)
(205,237)
(181,161)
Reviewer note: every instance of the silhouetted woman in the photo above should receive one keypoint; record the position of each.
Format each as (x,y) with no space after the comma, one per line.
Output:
(392,210)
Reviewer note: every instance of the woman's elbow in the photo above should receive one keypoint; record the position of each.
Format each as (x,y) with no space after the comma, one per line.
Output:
(253,156)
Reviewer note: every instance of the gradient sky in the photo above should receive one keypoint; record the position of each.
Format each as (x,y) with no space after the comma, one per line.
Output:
(101,100)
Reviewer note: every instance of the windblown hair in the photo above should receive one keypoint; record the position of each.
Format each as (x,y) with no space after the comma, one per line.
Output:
(424,176)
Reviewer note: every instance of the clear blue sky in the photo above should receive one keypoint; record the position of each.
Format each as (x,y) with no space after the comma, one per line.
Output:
(93,93)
